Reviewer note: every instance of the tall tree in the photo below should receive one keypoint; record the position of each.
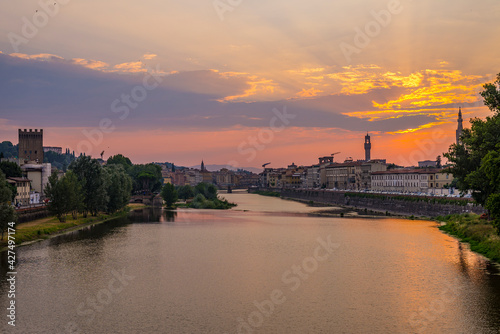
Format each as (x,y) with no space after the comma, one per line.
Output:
(7,212)
(56,192)
(119,187)
(91,176)
(169,194)
(475,160)
(74,192)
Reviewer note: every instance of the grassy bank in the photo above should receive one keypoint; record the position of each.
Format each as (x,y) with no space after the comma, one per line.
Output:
(45,227)
(479,233)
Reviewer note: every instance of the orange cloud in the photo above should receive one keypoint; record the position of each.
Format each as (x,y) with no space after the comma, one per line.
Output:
(92,64)
(258,88)
(311,92)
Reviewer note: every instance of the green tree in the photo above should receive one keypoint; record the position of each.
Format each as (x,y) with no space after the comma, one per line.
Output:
(60,161)
(119,159)
(146,178)
(74,198)
(119,187)
(476,158)
(185,192)
(209,191)
(11,169)
(91,176)
(169,194)
(8,150)
(7,212)
(56,192)
(438,161)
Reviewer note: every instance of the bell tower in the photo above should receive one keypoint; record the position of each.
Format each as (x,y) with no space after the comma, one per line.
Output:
(368,147)
(460,126)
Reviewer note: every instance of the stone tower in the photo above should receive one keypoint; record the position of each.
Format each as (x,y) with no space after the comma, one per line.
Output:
(460,126)
(368,147)
(31,145)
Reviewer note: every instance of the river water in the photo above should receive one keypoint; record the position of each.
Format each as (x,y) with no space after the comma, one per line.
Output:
(266,266)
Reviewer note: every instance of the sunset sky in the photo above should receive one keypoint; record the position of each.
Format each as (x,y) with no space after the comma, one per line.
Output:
(246,82)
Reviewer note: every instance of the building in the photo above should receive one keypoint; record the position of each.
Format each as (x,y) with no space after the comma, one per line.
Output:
(368,147)
(52,149)
(353,175)
(415,180)
(460,126)
(224,178)
(427,163)
(342,176)
(23,186)
(31,145)
(38,174)
(193,177)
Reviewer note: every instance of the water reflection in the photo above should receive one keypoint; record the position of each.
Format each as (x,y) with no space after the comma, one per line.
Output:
(201,270)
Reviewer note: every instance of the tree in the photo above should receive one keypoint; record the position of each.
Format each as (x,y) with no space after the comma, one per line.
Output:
(119,187)
(74,192)
(7,212)
(476,158)
(11,169)
(91,176)
(185,192)
(169,194)
(8,150)
(119,159)
(56,193)
(438,161)
(209,191)
(146,178)
(60,161)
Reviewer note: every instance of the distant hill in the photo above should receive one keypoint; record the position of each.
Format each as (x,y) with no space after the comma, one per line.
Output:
(213,168)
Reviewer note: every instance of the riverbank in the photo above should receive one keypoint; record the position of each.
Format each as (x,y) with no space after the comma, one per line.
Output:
(482,237)
(48,227)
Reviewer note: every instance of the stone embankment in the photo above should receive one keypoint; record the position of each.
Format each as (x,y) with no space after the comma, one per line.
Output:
(429,206)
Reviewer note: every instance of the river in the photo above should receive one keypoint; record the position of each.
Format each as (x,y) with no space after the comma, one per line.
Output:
(266,266)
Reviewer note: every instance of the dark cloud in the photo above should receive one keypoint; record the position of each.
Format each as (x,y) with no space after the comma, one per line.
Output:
(58,93)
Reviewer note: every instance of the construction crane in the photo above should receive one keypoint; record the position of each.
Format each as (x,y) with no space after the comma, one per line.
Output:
(264,165)
(333,154)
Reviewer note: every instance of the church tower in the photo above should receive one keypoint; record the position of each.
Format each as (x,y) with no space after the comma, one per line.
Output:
(368,147)
(202,166)
(460,125)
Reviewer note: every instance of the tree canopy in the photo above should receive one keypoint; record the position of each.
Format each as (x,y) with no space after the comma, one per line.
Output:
(11,169)
(120,159)
(169,194)
(8,150)
(7,212)
(91,176)
(475,160)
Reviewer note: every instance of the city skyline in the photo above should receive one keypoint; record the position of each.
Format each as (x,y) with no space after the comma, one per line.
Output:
(212,88)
